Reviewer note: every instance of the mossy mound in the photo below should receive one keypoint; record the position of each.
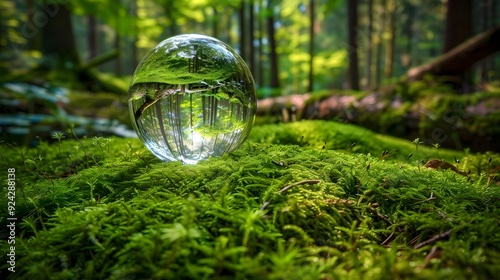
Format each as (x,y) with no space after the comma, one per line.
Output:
(105,208)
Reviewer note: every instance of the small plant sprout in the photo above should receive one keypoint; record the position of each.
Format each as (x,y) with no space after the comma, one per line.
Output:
(59,136)
(417,142)
(71,130)
(436,146)
(99,142)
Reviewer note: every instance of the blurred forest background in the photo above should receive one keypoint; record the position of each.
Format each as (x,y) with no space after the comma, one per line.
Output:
(60,52)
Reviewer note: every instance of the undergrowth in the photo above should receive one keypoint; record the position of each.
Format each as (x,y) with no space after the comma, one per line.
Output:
(307,200)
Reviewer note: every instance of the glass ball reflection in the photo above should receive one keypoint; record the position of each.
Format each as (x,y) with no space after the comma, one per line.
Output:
(192,97)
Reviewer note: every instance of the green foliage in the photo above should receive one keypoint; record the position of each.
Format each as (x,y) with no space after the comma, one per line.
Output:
(105,208)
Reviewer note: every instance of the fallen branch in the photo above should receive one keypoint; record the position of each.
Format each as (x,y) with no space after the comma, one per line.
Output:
(433,239)
(460,58)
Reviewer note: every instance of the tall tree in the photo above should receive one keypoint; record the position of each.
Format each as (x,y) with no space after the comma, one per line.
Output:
(458,29)
(370,45)
(133,45)
(260,49)
(92,36)
(408,30)
(352,26)
(243,33)
(389,50)
(251,36)
(458,23)
(274,82)
(311,46)
(485,10)
(61,47)
(380,39)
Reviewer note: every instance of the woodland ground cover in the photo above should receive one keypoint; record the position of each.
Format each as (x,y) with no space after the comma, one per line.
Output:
(305,200)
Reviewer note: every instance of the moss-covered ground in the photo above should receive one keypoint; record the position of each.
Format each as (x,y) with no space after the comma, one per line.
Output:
(306,200)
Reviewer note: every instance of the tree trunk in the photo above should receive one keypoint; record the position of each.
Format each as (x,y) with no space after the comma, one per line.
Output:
(32,38)
(378,63)
(407,59)
(61,47)
(352,27)
(242,26)
(251,37)
(118,63)
(215,21)
(133,44)
(458,23)
(370,45)
(459,59)
(92,36)
(389,51)
(274,83)
(485,11)
(260,50)
(311,47)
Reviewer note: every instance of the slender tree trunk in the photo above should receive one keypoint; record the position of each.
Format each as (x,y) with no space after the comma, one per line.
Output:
(274,82)
(389,51)
(92,36)
(458,29)
(215,23)
(133,45)
(494,21)
(251,35)
(410,11)
(228,28)
(485,11)
(378,70)
(118,63)
(62,47)
(30,11)
(311,46)
(458,23)
(370,45)
(352,26)
(242,25)
(260,74)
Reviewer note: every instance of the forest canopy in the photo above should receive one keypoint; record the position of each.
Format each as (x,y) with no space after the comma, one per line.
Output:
(291,46)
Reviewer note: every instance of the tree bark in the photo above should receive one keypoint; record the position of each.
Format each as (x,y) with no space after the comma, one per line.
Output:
(311,47)
(251,37)
(215,23)
(378,56)
(460,58)
(133,44)
(389,51)
(274,83)
(352,6)
(458,23)
(370,45)
(118,63)
(61,47)
(92,36)
(242,27)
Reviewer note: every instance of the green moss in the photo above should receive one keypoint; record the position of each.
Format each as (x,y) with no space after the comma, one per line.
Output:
(110,210)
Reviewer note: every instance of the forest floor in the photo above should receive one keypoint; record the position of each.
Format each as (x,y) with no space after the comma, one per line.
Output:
(304,200)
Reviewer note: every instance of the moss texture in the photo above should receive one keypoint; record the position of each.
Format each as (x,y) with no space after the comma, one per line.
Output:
(286,205)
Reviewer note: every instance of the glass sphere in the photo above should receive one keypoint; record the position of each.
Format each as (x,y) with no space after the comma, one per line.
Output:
(192,97)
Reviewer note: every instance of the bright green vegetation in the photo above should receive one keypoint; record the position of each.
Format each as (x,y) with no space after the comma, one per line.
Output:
(278,208)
